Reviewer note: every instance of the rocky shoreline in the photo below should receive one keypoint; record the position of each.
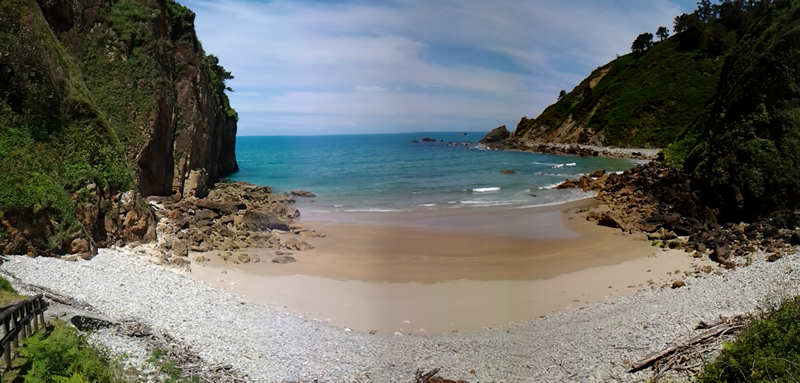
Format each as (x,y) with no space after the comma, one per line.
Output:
(659,202)
(234,217)
(575,149)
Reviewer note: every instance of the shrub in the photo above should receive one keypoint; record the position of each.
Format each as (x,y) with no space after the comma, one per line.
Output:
(767,351)
(62,355)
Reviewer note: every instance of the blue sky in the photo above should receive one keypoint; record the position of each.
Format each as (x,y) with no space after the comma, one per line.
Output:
(345,67)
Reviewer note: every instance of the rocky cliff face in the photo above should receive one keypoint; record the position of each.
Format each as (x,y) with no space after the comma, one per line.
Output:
(103,103)
(164,96)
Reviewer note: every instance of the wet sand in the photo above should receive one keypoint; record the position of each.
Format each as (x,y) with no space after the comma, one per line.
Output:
(432,272)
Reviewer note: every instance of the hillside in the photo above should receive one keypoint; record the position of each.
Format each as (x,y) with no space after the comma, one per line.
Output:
(744,155)
(648,98)
(638,100)
(102,103)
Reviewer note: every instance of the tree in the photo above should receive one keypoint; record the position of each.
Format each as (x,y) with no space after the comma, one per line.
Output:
(562,94)
(643,42)
(706,11)
(662,33)
(681,23)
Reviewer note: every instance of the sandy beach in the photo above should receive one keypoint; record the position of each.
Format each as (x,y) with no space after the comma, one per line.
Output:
(443,271)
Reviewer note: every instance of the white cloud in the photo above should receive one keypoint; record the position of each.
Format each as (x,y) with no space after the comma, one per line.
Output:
(368,88)
(301,59)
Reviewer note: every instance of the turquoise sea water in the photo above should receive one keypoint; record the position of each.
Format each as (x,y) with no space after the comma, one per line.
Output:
(387,172)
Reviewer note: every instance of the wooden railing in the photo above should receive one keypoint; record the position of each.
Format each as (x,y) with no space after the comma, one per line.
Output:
(19,321)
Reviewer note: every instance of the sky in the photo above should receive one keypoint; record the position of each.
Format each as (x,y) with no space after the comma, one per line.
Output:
(356,67)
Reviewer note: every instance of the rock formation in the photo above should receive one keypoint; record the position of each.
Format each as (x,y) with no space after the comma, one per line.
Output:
(102,104)
(497,134)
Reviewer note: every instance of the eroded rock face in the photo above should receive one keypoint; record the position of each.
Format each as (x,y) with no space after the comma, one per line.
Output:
(186,142)
(104,217)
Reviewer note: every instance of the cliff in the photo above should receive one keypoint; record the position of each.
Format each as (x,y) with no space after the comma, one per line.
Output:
(101,104)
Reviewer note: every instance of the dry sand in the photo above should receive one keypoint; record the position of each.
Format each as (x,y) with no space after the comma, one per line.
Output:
(440,271)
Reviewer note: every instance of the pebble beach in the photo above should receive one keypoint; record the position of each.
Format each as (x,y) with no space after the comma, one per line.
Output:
(263,344)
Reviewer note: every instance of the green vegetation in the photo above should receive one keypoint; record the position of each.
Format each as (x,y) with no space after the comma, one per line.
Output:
(62,355)
(79,107)
(767,351)
(52,139)
(650,97)
(641,100)
(7,293)
(173,373)
(745,157)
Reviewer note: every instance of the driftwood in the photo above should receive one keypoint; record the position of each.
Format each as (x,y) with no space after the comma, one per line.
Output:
(690,349)
(420,377)
(430,377)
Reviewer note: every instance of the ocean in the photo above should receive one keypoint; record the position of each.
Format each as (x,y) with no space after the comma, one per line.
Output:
(389,172)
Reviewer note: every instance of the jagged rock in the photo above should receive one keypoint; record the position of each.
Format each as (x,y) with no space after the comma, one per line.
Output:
(303,193)
(597,173)
(584,182)
(255,220)
(284,259)
(566,184)
(609,219)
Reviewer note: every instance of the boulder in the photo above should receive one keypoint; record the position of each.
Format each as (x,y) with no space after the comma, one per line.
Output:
(179,249)
(303,246)
(678,284)
(243,258)
(609,219)
(256,220)
(290,212)
(79,245)
(284,259)
(720,254)
(303,193)
(566,184)
(597,173)
(795,240)
(508,171)
(206,214)
(584,182)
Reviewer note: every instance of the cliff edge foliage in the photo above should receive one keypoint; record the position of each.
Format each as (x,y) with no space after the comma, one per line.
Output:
(648,98)
(744,155)
(96,99)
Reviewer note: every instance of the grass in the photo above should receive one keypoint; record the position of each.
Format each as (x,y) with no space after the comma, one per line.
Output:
(767,351)
(644,100)
(8,294)
(52,139)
